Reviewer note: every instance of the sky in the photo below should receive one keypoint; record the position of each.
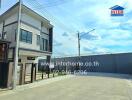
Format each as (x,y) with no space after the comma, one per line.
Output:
(111,35)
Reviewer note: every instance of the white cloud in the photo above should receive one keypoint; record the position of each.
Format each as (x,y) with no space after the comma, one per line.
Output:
(88,14)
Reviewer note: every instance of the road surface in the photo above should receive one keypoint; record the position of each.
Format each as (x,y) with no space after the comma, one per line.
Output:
(77,88)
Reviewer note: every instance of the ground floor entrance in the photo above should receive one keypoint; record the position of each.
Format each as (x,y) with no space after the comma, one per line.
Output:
(28,71)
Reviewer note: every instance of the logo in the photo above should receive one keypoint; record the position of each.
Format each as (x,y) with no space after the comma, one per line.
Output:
(117,11)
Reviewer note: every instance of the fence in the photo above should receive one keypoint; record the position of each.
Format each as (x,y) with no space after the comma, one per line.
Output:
(109,63)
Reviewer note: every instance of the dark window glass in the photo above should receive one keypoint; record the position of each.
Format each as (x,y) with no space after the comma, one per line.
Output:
(38,39)
(29,37)
(44,44)
(26,36)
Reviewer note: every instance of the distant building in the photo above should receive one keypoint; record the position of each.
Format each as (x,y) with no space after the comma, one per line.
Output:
(35,36)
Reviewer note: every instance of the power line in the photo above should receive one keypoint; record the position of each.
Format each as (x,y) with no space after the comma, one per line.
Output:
(50,16)
(58,23)
(53,3)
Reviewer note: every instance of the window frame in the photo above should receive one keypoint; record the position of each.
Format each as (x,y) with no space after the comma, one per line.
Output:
(44,44)
(38,39)
(27,38)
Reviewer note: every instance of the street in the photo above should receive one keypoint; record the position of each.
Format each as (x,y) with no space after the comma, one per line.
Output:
(77,88)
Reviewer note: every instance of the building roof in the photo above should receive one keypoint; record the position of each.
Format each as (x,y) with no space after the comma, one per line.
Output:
(28,10)
(117,7)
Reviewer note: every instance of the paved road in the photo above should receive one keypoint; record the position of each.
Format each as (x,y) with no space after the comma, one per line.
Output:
(77,88)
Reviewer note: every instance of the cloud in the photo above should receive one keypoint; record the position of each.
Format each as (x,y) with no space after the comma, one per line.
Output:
(126,26)
(92,50)
(113,34)
(57,43)
(88,36)
(65,34)
(95,50)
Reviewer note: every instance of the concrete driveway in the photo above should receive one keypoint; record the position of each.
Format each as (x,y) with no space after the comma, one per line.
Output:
(77,88)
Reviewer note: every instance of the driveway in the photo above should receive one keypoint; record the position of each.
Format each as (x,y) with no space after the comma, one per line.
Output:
(78,88)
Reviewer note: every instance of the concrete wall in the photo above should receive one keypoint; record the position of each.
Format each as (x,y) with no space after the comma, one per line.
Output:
(1,27)
(45,29)
(31,20)
(110,63)
(11,19)
(10,29)
(11,33)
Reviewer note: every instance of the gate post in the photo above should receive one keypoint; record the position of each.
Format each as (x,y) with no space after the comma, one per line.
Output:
(48,61)
(33,72)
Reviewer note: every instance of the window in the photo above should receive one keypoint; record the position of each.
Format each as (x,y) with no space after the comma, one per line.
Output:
(44,44)
(26,36)
(38,39)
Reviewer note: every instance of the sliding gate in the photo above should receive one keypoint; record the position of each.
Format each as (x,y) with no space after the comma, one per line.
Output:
(4,64)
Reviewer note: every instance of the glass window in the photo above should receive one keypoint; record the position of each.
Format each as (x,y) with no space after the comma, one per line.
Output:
(44,44)
(29,37)
(26,36)
(38,39)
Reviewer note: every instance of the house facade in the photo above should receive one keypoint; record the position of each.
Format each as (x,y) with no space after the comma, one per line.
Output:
(36,35)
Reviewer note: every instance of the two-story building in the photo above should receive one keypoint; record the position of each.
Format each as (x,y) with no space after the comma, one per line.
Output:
(36,34)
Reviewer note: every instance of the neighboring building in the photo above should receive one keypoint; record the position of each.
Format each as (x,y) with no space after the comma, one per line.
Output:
(35,36)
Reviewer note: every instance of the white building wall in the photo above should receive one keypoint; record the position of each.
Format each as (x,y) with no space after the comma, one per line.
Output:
(30,20)
(10,29)
(24,59)
(11,19)
(33,22)
(1,28)
(45,30)
(35,32)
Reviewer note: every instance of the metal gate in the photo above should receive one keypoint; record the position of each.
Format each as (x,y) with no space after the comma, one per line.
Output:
(4,64)
(4,67)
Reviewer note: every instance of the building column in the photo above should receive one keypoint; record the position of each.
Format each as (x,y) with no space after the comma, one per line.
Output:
(50,39)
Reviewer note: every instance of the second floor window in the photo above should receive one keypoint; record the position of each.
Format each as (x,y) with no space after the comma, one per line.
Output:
(26,36)
(44,44)
(38,39)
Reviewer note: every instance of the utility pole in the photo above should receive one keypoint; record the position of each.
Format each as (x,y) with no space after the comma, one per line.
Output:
(78,44)
(79,38)
(17,47)
(78,67)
